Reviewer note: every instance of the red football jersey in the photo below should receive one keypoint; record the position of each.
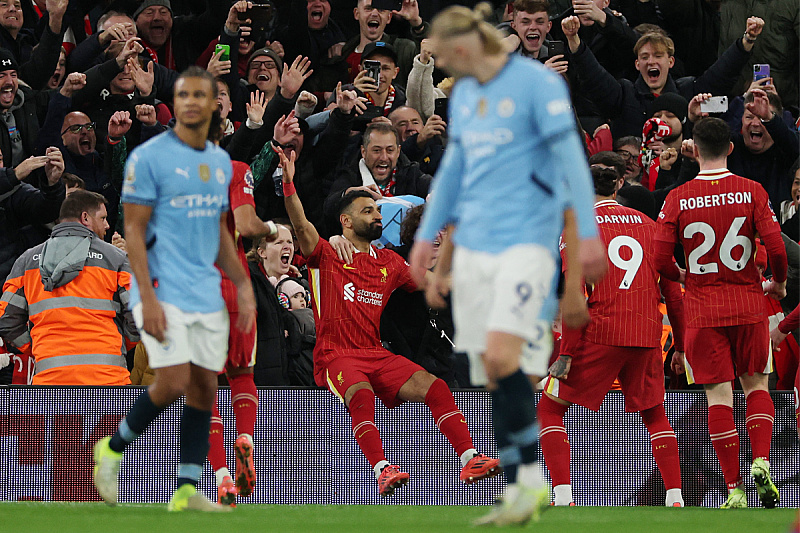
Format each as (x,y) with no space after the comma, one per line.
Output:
(240,192)
(716,217)
(624,304)
(348,299)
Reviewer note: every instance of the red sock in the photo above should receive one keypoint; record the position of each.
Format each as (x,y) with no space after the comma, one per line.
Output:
(362,414)
(664,444)
(726,442)
(449,419)
(760,417)
(553,439)
(216,450)
(244,398)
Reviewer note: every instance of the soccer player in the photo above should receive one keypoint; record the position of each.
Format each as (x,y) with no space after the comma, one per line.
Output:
(622,340)
(241,346)
(514,164)
(175,197)
(716,217)
(348,358)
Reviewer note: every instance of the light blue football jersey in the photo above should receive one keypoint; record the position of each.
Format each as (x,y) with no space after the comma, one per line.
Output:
(188,191)
(498,180)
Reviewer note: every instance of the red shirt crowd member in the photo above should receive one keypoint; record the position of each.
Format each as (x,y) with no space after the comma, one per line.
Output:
(622,340)
(349,359)
(716,217)
(241,350)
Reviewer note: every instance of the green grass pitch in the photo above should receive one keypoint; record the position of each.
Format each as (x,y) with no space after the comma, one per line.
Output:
(91,517)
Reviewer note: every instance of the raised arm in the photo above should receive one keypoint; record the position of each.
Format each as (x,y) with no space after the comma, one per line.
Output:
(307,234)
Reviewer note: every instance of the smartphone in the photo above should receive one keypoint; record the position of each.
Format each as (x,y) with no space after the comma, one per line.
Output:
(361,121)
(440,108)
(226,52)
(555,48)
(715,104)
(390,5)
(373,69)
(760,71)
(260,16)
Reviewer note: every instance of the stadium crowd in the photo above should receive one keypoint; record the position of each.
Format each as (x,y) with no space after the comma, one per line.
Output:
(95,79)
(354,95)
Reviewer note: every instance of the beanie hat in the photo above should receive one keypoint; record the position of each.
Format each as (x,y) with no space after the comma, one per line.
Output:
(291,287)
(150,3)
(269,52)
(672,102)
(7,61)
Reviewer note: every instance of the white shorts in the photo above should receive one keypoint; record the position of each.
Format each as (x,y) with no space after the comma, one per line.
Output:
(198,338)
(512,292)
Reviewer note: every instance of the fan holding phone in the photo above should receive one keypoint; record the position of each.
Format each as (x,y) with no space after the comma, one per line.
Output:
(375,81)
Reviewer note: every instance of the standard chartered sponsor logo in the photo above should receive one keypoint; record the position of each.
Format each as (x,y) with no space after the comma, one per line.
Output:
(349,293)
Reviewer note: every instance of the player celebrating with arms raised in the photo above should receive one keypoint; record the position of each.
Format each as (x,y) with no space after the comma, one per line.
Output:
(514,163)
(716,217)
(348,358)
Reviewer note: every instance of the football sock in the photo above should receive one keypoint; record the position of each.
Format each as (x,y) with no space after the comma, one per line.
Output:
(216,445)
(221,474)
(362,416)
(760,418)
(379,466)
(139,417)
(195,425)
(674,496)
(467,456)
(244,398)
(563,494)
(555,443)
(664,445)
(514,414)
(448,418)
(506,451)
(725,440)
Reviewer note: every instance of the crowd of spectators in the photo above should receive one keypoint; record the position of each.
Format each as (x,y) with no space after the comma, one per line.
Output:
(356,93)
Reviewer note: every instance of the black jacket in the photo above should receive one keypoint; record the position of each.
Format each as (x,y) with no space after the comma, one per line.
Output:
(21,205)
(409,179)
(37,61)
(28,117)
(626,102)
(272,360)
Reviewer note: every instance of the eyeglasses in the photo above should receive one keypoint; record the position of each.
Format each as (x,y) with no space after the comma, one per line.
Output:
(76,128)
(627,156)
(258,64)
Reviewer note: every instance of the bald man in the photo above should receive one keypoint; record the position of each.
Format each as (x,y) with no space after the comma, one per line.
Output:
(421,141)
(75,134)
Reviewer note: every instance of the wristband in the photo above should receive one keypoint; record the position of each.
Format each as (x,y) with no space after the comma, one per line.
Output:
(417,28)
(749,39)
(113,140)
(288,189)
(273,229)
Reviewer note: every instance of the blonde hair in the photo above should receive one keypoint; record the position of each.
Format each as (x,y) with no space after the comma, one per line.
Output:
(459,20)
(261,242)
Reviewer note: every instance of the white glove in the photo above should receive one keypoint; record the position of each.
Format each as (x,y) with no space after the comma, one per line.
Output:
(5,359)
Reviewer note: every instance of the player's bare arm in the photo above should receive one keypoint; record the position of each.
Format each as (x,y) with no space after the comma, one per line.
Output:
(154,322)
(560,368)
(228,261)
(307,234)
(250,226)
(438,279)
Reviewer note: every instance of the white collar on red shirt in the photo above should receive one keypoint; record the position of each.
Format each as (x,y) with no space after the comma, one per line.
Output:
(601,203)
(714,174)
(372,252)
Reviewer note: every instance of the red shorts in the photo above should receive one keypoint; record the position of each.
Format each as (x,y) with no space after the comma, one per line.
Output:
(384,371)
(719,355)
(241,346)
(596,366)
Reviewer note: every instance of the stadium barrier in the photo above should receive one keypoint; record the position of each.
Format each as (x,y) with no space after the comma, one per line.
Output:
(305,452)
